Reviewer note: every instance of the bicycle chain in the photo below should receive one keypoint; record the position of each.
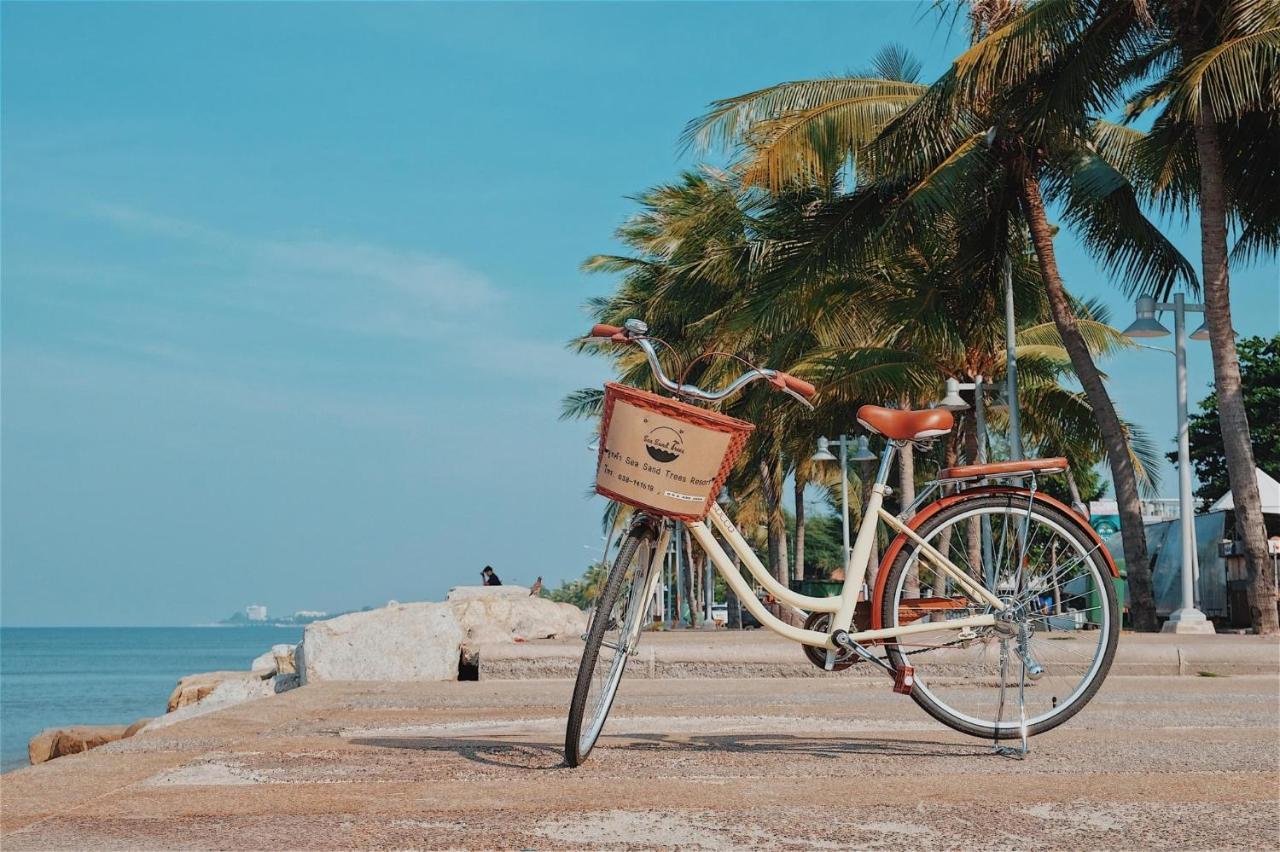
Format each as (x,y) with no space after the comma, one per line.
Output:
(917,651)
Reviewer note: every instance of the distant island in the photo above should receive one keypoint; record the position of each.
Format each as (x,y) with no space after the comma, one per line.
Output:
(255,615)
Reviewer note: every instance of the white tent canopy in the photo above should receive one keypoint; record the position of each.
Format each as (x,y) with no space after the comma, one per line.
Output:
(1268,489)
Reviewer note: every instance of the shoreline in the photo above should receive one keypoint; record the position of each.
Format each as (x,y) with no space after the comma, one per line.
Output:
(59,677)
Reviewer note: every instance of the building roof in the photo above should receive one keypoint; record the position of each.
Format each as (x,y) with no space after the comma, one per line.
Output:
(1268,490)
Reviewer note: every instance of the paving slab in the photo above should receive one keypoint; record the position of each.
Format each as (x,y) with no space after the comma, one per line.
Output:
(701,763)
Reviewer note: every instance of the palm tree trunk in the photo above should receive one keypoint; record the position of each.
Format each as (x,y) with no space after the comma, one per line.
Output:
(801,482)
(1232,417)
(907,496)
(950,454)
(1142,607)
(974,541)
(906,476)
(771,485)
(1076,503)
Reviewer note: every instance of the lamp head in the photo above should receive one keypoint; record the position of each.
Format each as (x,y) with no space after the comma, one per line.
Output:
(1146,324)
(862,452)
(1201,333)
(823,454)
(953,401)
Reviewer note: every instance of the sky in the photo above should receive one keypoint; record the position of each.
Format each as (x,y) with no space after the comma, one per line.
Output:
(287,288)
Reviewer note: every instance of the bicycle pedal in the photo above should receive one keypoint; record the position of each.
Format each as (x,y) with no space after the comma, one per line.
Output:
(904,680)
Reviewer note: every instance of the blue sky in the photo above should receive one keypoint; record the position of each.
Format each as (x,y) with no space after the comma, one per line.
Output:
(287,287)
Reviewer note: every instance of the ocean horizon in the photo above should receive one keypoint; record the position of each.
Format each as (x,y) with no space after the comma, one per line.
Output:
(59,676)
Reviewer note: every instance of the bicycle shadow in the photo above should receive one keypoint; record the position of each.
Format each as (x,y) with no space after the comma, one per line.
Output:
(533,755)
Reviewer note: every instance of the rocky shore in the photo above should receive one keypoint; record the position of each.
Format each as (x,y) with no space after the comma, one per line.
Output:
(423,641)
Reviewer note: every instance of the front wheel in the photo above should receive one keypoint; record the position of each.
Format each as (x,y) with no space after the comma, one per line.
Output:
(1052,644)
(620,613)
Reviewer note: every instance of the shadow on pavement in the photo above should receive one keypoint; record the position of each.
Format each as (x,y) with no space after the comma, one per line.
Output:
(527,754)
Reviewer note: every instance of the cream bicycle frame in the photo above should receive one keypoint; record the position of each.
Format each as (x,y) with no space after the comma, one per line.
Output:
(841,605)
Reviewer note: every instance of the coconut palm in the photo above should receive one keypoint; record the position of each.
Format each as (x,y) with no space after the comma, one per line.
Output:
(986,155)
(1209,73)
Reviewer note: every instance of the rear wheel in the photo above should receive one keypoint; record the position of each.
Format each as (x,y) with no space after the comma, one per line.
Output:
(621,612)
(1051,646)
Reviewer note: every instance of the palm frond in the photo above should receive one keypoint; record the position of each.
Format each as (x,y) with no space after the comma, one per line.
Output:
(1237,76)
(1103,206)
(582,404)
(729,121)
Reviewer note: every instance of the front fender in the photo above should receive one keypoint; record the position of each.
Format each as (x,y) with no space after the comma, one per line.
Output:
(891,553)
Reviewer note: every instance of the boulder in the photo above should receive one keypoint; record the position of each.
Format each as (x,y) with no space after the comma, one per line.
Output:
(195,688)
(198,694)
(458,593)
(279,660)
(503,617)
(285,664)
(401,642)
(56,742)
(136,726)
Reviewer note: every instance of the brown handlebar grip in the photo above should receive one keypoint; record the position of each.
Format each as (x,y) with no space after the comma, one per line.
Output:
(800,386)
(602,330)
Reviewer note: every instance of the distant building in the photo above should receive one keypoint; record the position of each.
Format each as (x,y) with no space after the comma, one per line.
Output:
(255,612)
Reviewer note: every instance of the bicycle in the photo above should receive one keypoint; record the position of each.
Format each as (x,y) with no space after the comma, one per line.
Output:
(995,594)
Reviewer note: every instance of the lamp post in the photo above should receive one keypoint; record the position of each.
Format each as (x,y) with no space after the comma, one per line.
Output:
(1187,619)
(955,402)
(862,453)
(1011,365)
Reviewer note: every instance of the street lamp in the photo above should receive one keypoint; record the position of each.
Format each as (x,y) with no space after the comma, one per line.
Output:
(1188,619)
(862,453)
(824,455)
(954,402)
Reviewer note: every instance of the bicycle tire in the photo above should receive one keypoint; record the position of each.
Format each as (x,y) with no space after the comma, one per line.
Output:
(1067,526)
(576,747)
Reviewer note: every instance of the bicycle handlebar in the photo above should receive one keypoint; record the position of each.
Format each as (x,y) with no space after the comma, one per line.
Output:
(635,332)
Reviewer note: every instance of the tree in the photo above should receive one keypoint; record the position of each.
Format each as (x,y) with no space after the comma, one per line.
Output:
(1260,388)
(984,145)
(1225,84)
(1210,72)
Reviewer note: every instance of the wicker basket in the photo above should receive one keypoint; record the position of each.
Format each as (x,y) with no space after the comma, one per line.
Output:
(665,456)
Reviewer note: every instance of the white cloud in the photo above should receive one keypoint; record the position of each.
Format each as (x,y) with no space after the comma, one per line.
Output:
(422,279)
(437,282)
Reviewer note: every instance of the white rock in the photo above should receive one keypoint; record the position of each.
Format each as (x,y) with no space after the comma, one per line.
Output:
(415,641)
(458,593)
(279,660)
(231,688)
(284,659)
(504,617)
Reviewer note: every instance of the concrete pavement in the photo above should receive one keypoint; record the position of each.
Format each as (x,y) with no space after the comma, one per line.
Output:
(702,763)
(762,653)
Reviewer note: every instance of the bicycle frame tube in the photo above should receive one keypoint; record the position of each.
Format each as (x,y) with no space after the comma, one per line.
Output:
(843,604)
(725,527)
(963,580)
(746,597)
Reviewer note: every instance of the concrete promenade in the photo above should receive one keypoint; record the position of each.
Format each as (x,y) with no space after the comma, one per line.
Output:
(762,653)
(826,762)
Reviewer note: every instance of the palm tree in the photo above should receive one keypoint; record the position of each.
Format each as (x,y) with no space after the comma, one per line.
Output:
(983,155)
(1211,74)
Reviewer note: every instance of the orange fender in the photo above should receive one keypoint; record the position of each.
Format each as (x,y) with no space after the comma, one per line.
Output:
(891,553)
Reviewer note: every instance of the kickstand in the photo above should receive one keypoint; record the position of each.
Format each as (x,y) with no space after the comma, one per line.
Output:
(1004,750)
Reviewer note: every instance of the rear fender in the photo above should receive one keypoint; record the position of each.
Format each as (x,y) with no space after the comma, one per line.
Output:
(891,553)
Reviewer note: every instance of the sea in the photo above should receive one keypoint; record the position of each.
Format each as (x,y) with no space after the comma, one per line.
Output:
(58,676)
